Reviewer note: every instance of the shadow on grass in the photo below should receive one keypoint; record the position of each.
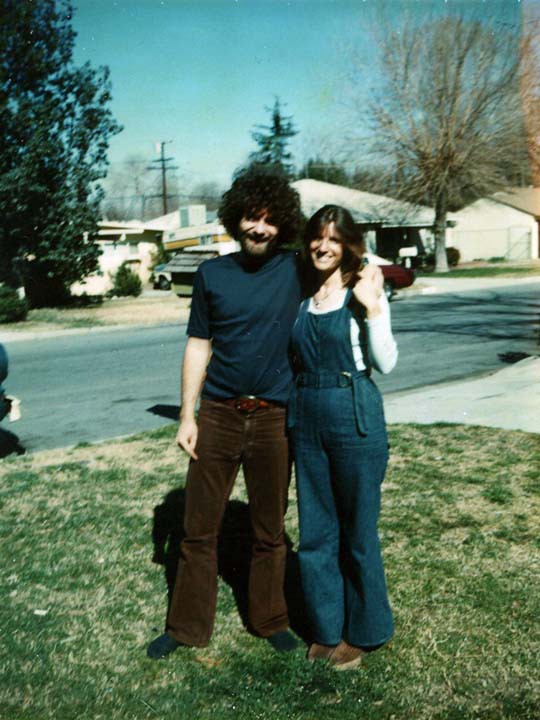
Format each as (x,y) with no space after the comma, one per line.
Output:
(234,555)
(9,443)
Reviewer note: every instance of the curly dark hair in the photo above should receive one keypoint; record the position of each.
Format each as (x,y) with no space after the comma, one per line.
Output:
(257,188)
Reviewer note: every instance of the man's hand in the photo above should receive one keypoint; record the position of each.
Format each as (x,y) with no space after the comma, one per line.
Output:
(369,289)
(186,437)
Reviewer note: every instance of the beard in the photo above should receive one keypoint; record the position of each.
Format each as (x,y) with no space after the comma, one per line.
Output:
(257,247)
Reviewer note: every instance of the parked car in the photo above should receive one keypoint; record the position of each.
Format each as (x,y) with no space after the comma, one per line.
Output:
(395,276)
(161,277)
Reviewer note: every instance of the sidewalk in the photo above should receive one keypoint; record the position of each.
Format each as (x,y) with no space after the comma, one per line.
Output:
(508,398)
(438,285)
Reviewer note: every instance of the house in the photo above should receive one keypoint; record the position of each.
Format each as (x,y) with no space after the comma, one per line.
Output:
(504,225)
(393,228)
(188,227)
(132,242)
(136,243)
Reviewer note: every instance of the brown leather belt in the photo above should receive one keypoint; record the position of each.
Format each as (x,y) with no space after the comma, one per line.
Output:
(249,403)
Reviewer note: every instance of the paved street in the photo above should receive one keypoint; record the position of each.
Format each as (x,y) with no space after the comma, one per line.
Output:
(87,387)
(451,336)
(82,388)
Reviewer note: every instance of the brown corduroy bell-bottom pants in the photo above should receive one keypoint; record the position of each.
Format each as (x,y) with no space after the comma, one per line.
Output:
(228,439)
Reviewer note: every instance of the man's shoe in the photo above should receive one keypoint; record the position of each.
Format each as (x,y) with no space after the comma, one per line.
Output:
(346,657)
(282,641)
(162,646)
(320,652)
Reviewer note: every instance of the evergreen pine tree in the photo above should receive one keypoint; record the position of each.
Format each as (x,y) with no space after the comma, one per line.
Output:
(273,140)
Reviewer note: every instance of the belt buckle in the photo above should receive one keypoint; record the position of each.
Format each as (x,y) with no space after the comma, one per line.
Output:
(246,403)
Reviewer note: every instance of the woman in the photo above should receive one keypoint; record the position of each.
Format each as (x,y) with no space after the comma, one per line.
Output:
(340,442)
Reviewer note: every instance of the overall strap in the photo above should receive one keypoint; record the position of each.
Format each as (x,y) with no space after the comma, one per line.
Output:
(304,305)
(358,312)
(294,357)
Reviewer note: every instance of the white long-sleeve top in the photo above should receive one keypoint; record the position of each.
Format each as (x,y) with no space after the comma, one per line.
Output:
(382,347)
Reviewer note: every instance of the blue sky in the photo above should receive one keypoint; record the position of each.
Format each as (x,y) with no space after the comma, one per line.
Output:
(200,72)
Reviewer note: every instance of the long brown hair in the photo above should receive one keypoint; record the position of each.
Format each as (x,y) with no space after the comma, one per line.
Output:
(349,234)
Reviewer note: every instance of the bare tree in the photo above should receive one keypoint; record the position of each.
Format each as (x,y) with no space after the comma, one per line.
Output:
(134,191)
(446,122)
(207,192)
(530,84)
(126,188)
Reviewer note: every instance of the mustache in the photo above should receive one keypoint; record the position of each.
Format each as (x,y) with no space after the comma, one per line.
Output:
(255,236)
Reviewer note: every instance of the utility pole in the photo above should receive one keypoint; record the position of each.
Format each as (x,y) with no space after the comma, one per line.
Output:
(164,166)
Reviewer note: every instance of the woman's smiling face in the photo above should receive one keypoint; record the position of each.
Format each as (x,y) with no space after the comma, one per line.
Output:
(327,250)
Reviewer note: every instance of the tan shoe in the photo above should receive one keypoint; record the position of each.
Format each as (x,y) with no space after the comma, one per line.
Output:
(320,652)
(346,657)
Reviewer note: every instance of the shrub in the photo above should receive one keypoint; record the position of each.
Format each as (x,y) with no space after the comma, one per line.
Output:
(453,256)
(12,308)
(427,261)
(85,300)
(126,282)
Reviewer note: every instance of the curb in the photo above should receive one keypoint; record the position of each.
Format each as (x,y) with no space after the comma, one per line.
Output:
(23,336)
(12,336)
(441,286)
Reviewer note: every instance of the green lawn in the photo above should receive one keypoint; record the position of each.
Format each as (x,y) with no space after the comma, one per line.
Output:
(82,598)
(492,271)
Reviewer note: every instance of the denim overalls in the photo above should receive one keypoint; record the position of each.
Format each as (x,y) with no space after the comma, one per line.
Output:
(341,451)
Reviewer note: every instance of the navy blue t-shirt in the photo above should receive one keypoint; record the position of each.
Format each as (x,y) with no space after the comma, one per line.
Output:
(248,314)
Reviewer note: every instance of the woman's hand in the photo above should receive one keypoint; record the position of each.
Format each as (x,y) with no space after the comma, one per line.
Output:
(368,289)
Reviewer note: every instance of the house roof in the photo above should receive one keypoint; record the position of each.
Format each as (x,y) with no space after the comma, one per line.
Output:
(121,225)
(171,221)
(365,207)
(194,231)
(526,199)
(111,229)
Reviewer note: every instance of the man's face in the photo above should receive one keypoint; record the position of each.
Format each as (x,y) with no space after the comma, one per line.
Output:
(257,235)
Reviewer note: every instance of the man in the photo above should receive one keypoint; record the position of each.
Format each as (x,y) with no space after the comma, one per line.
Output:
(243,308)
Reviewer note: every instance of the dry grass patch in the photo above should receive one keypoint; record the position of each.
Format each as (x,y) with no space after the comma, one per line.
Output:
(150,310)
